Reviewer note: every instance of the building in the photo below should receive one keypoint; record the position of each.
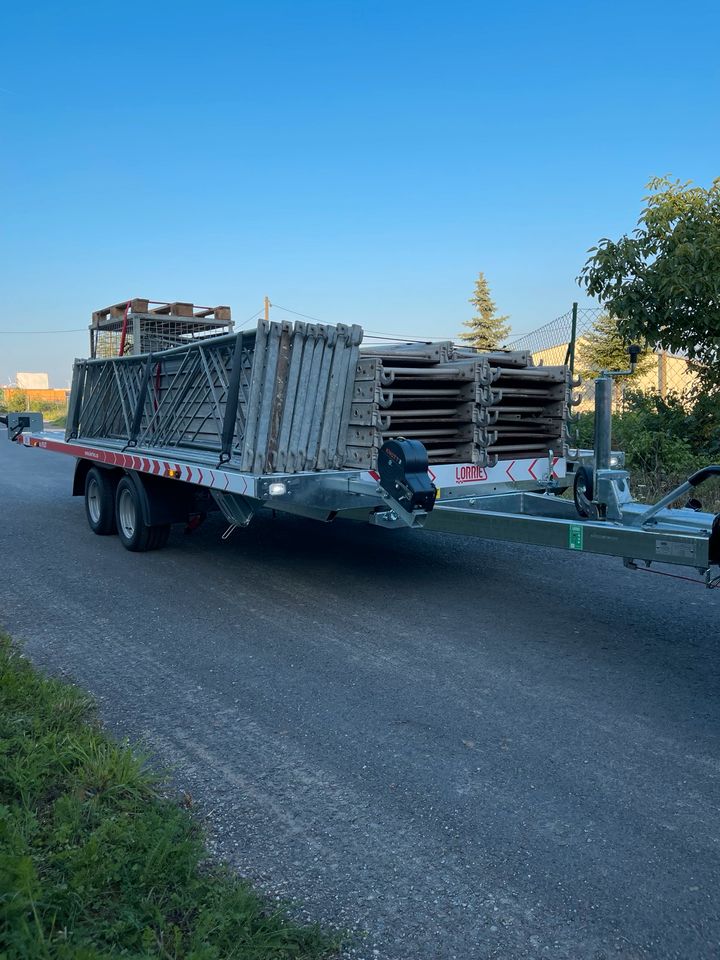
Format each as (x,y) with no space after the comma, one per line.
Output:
(32,381)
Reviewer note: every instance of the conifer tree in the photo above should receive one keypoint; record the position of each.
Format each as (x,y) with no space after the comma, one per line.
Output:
(486,330)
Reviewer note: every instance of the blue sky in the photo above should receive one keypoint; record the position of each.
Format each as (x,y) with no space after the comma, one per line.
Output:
(357,161)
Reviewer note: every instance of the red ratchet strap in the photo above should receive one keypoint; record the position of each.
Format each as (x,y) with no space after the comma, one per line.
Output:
(123,332)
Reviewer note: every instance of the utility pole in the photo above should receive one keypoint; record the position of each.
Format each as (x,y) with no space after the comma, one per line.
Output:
(267,308)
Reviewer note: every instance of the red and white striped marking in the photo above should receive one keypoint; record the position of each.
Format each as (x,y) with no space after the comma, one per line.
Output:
(442,475)
(202,476)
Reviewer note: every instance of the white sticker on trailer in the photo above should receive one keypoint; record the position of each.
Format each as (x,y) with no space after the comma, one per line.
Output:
(675,548)
(505,471)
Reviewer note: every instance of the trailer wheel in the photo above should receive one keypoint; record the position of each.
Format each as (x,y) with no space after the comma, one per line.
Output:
(135,535)
(100,501)
(583,492)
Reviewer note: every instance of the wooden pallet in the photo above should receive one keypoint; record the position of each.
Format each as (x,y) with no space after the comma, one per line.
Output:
(109,316)
(117,311)
(190,311)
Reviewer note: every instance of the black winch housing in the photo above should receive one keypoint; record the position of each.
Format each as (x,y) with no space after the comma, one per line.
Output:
(403,470)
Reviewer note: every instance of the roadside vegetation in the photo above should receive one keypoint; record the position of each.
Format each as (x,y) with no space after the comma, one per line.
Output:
(664,441)
(95,863)
(54,414)
(660,284)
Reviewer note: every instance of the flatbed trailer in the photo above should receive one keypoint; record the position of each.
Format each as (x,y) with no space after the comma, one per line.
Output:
(296,419)
(138,493)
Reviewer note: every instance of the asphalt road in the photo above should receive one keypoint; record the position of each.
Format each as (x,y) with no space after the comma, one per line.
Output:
(455,748)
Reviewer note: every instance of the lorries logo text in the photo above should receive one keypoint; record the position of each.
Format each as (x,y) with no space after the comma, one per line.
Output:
(470,474)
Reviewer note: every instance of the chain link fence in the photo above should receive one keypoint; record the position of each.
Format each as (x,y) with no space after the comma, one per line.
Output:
(573,337)
(664,423)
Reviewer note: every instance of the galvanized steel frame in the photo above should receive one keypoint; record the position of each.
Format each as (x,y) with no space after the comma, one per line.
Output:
(274,399)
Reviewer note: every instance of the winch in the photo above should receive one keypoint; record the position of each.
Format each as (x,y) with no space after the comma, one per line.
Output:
(403,470)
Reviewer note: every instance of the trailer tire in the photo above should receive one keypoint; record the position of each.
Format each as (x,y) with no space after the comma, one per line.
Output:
(100,501)
(135,535)
(159,536)
(583,492)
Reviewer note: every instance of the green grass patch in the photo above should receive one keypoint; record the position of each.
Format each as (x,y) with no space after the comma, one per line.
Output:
(95,862)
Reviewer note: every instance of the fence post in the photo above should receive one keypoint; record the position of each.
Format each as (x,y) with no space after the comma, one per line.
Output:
(570,354)
(662,374)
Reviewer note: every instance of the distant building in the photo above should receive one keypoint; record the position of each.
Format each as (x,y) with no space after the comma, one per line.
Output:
(32,381)
(31,391)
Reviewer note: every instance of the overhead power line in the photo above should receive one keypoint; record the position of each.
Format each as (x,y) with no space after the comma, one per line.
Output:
(44,332)
(372,334)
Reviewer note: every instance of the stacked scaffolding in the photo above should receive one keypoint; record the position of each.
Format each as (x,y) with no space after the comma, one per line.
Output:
(274,399)
(298,397)
(466,407)
(528,413)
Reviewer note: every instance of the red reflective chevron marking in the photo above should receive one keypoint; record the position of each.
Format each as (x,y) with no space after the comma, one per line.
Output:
(207,477)
(530,469)
(374,474)
(555,460)
(509,469)
(433,476)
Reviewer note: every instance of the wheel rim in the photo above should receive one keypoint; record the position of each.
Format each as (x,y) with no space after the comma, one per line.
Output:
(93,500)
(127,514)
(583,494)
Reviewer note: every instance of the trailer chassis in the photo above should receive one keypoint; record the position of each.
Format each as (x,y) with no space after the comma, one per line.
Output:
(602,518)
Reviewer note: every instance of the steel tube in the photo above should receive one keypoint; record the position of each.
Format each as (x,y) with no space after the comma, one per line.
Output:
(603,422)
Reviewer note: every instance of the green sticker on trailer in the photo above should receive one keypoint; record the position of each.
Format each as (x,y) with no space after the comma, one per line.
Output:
(575,536)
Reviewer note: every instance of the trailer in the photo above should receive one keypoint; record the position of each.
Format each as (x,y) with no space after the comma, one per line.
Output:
(236,426)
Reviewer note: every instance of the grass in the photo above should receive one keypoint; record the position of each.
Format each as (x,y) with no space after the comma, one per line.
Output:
(57,421)
(95,862)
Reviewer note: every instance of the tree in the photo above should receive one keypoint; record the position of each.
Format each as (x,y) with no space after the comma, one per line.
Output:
(605,348)
(486,330)
(663,282)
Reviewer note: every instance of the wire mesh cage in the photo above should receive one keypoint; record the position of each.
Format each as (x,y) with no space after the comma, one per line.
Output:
(135,327)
